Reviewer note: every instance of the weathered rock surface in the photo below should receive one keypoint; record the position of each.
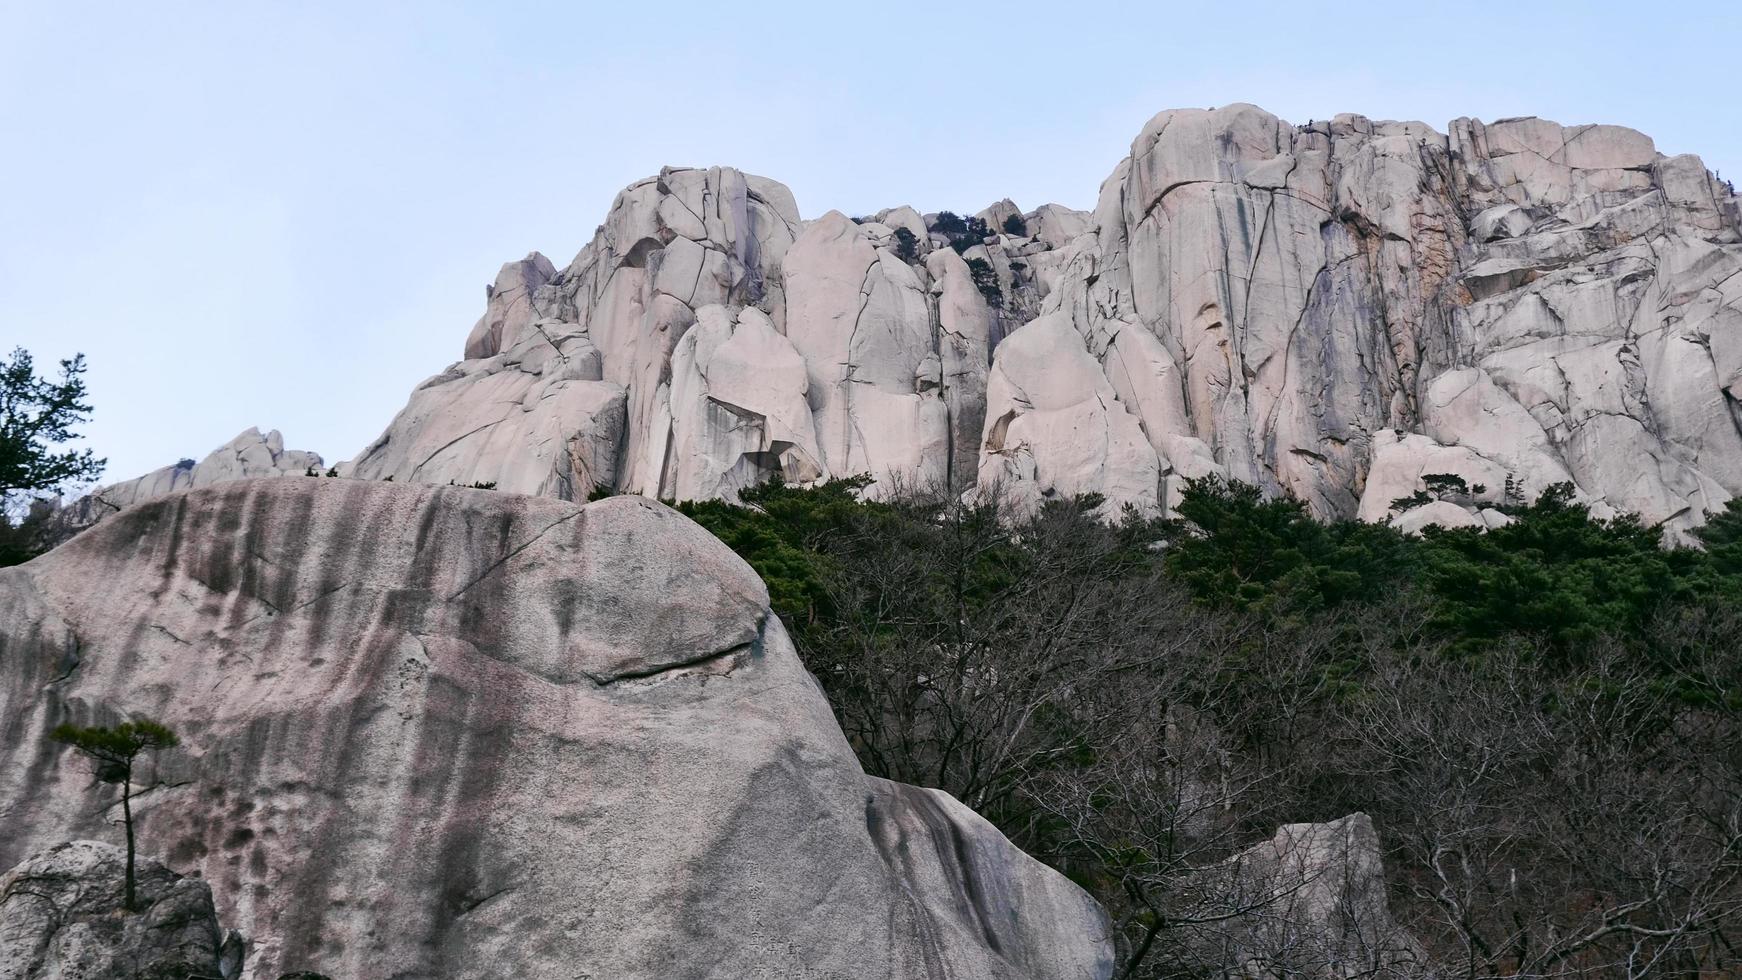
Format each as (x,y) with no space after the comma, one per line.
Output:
(60,920)
(432,731)
(1540,300)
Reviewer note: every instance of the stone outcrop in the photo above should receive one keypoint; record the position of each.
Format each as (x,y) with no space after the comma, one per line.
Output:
(60,920)
(434,731)
(248,456)
(1330,310)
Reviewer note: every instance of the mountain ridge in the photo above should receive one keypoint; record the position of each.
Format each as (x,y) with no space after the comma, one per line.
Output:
(1331,310)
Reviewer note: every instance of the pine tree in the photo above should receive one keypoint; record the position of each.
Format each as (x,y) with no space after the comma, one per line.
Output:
(114,751)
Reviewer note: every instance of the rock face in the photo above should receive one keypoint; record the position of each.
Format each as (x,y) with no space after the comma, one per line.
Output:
(59,921)
(432,731)
(1318,309)
(1519,297)
(707,339)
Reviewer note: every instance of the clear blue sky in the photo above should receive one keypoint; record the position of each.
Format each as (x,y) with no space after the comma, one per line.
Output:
(284,214)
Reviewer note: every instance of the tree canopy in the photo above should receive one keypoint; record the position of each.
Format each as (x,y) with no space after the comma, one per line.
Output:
(37,415)
(1135,701)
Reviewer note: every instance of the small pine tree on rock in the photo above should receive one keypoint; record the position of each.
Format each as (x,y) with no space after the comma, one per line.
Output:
(114,751)
(986,280)
(906,245)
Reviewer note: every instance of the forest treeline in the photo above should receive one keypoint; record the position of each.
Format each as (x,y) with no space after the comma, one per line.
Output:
(1543,720)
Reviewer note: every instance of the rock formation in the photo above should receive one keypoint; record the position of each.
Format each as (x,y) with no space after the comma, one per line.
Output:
(708,338)
(59,921)
(1331,310)
(433,731)
(245,457)
(1514,298)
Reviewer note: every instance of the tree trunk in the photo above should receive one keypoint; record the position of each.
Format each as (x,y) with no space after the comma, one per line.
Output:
(127,820)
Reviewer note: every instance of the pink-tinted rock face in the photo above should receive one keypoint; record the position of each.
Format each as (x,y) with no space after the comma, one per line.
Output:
(431,731)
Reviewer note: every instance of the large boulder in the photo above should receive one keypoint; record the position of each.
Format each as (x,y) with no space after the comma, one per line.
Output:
(1054,425)
(433,731)
(61,919)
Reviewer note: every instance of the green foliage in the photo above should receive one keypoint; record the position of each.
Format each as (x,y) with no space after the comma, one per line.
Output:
(1235,548)
(777,529)
(1554,572)
(1722,538)
(1441,486)
(1420,498)
(963,233)
(1015,225)
(906,245)
(114,749)
(1513,494)
(975,235)
(32,535)
(36,415)
(949,223)
(600,491)
(986,281)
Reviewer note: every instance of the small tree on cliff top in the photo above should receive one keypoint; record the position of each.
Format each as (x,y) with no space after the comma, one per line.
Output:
(114,751)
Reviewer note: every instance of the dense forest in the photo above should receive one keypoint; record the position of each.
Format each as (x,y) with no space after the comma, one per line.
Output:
(1543,721)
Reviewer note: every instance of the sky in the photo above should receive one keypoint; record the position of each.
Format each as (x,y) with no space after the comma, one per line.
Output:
(283,215)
